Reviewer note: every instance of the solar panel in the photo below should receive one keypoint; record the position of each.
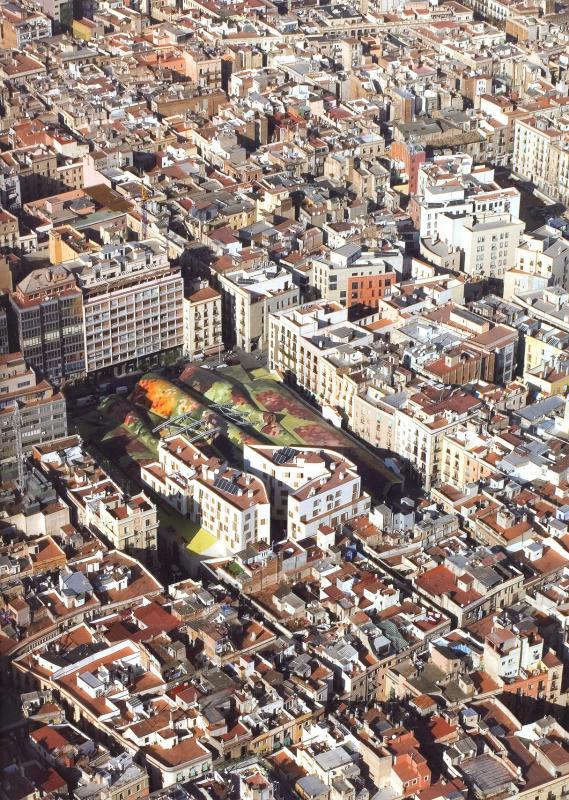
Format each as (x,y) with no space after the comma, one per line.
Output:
(226,485)
(284,455)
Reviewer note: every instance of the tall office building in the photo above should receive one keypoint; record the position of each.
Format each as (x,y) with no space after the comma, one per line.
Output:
(48,310)
(104,310)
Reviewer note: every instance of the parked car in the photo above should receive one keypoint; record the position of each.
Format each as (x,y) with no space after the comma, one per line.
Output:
(85,401)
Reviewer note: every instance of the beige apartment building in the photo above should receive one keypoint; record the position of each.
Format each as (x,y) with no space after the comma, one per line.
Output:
(373,418)
(557,175)
(532,141)
(42,172)
(128,522)
(421,424)
(317,348)
(202,323)
(459,587)
(417,427)
(204,67)
(66,243)
(541,154)
(546,347)
(541,261)
(19,28)
(249,298)
(463,457)
(31,411)
(9,229)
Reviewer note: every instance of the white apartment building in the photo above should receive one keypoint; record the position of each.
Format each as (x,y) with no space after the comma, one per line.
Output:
(223,147)
(444,168)
(533,138)
(249,297)
(541,154)
(27,28)
(550,305)
(172,475)
(202,322)
(310,488)
(132,303)
(287,332)
(487,242)
(542,259)
(498,10)
(450,186)
(231,505)
(282,470)
(507,653)
(234,506)
(314,345)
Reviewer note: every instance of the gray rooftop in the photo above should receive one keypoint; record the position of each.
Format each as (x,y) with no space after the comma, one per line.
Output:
(333,759)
